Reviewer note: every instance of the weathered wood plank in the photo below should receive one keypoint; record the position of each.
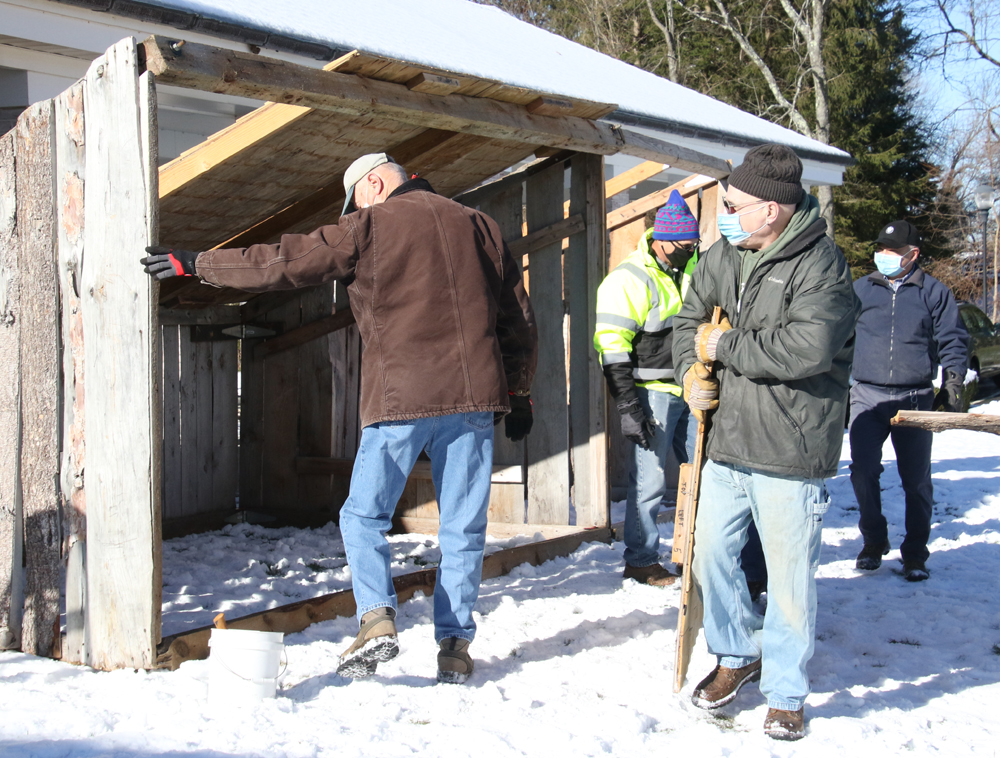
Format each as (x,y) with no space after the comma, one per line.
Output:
(414,525)
(543,239)
(597,268)
(632,177)
(315,409)
(507,500)
(40,377)
(638,208)
(345,363)
(251,426)
(70,176)
(311,330)
(173,472)
(189,409)
(204,461)
(936,421)
(231,72)
(421,471)
(281,418)
(122,334)
(548,443)
(295,617)
(225,464)
(480,196)
(11,521)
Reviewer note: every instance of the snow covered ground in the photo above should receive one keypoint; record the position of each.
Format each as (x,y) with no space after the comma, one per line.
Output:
(570,662)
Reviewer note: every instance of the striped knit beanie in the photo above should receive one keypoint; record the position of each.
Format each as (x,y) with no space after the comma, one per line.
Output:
(674,221)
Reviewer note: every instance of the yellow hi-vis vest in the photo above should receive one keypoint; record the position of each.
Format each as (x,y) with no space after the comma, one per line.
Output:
(636,304)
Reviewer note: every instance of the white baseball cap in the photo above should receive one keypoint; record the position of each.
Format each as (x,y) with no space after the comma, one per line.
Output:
(358,171)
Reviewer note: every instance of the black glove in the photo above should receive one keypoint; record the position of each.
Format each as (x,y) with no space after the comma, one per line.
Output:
(165,262)
(949,398)
(636,425)
(518,422)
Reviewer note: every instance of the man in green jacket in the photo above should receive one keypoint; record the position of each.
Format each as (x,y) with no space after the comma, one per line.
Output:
(782,360)
(636,304)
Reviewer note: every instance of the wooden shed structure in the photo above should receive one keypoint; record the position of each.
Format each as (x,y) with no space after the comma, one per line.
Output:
(130,410)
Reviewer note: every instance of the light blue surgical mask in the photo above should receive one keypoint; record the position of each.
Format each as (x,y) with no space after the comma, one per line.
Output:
(732,230)
(889,264)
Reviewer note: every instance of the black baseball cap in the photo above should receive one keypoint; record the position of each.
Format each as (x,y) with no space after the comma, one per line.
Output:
(898,234)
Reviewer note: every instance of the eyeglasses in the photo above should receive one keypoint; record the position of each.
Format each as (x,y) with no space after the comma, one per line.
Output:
(692,248)
(730,208)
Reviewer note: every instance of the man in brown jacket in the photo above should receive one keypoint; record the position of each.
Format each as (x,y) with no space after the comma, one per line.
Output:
(449,342)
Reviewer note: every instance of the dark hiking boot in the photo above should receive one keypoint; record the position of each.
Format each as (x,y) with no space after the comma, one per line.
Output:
(454,662)
(654,575)
(870,557)
(915,571)
(723,685)
(376,642)
(785,725)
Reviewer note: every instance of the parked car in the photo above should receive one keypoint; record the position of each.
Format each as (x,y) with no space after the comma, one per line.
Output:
(984,345)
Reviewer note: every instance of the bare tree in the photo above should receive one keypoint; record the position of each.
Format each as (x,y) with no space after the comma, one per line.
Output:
(969,30)
(668,27)
(806,20)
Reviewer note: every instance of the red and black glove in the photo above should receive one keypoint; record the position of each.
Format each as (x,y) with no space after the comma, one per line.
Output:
(518,422)
(165,262)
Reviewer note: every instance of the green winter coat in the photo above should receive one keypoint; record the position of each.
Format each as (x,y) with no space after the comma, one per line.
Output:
(784,367)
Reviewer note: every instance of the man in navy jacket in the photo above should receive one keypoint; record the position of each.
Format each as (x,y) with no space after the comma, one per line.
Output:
(909,325)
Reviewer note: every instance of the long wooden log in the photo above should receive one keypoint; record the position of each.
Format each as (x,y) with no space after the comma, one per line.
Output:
(940,422)
(295,617)
(231,72)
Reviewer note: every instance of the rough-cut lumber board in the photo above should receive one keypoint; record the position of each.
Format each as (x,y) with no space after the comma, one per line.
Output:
(935,421)
(708,225)
(251,427)
(11,522)
(122,334)
(203,422)
(316,401)
(315,466)
(638,208)
(548,443)
(543,239)
(632,177)
(305,333)
(281,418)
(295,617)
(413,525)
(231,72)
(172,499)
(550,106)
(434,84)
(345,362)
(507,501)
(225,441)
(40,377)
(70,176)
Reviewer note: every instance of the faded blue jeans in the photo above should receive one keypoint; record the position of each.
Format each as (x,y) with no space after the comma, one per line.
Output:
(460,447)
(647,475)
(789,516)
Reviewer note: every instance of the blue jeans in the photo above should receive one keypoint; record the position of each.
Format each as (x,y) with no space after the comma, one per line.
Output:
(647,475)
(872,408)
(460,446)
(789,516)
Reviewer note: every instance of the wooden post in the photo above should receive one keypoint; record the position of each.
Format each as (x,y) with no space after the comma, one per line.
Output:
(507,500)
(345,362)
(548,443)
(40,376)
(281,418)
(121,332)
(11,534)
(315,409)
(70,176)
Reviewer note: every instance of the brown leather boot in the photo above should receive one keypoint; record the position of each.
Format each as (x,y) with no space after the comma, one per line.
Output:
(654,575)
(454,662)
(376,642)
(723,685)
(785,725)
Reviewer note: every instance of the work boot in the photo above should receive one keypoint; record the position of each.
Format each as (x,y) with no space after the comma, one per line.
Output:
(376,641)
(654,575)
(454,662)
(870,557)
(723,685)
(785,725)
(915,571)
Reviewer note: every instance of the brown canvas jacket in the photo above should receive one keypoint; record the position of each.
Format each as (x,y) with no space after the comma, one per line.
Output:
(445,321)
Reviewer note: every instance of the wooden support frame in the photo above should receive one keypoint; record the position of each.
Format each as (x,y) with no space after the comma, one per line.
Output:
(293,618)
(216,70)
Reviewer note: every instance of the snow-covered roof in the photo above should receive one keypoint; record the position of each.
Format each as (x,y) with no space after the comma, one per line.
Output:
(482,41)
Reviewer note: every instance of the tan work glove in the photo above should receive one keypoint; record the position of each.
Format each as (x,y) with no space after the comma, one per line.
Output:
(701,391)
(707,339)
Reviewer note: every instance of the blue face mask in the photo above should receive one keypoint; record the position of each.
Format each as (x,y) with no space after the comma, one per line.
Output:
(732,230)
(889,264)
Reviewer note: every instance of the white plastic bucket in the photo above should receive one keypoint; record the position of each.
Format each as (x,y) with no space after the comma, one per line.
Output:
(244,666)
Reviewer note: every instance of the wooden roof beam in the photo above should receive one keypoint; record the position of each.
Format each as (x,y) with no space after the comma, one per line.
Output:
(213,69)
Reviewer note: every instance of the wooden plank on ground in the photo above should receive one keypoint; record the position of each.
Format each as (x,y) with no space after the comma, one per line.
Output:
(121,333)
(11,522)
(415,525)
(40,378)
(230,72)
(548,443)
(289,619)
(507,500)
(70,176)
